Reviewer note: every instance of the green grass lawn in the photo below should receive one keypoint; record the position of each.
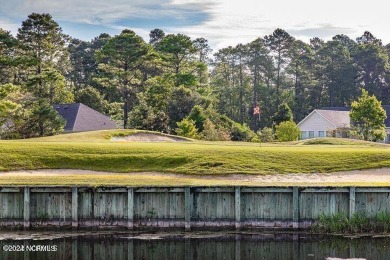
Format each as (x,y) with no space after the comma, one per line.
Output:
(95,151)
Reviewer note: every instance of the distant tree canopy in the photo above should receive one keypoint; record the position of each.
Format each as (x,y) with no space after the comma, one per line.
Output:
(7,104)
(284,113)
(121,60)
(158,82)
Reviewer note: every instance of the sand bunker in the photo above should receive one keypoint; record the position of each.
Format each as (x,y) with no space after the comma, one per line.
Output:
(149,137)
(364,177)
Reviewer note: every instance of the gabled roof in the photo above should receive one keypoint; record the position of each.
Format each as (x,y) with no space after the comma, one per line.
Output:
(336,117)
(80,117)
(69,113)
(385,107)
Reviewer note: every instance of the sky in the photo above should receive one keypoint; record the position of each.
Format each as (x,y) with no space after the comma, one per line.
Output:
(222,22)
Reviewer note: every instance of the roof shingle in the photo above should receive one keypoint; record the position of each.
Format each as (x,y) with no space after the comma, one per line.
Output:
(385,107)
(80,117)
(336,117)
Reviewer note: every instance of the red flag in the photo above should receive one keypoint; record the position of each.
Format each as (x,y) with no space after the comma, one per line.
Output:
(256,110)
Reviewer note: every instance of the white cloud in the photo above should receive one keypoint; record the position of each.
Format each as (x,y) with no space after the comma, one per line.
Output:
(234,22)
(227,22)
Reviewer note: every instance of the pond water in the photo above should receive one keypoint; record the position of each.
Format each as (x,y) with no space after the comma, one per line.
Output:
(193,245)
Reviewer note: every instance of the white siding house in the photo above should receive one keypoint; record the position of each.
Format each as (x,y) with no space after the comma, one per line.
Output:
(321,121)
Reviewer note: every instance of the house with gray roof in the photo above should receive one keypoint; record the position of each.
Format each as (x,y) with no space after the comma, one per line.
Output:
(81,118)
(321,122)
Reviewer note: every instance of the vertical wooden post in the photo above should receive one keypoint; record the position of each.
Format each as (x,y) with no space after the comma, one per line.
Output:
(26,214)
(352,202)
(295,207)
(75,205)
(187,208)
(237,204)
(130,208)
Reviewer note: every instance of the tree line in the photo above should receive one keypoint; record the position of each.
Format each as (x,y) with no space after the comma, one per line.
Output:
(176,84)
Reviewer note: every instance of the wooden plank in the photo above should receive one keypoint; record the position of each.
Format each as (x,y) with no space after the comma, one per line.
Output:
(214,189)
(266,190)
(295,207)
(373,190)
(187,208)
(111,190)
(10,189)
(130,208)
(352,201)
(332,204)
(51,190)
(26,212)
(237,205)
(159,189)
(75,206)
(326,190)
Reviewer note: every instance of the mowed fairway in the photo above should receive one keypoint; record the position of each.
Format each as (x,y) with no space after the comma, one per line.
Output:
(188,158)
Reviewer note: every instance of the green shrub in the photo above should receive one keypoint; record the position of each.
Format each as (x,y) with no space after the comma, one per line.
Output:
(266,135)
(241,133)
(187,128)
(198,116)
(210,133)
(287,131)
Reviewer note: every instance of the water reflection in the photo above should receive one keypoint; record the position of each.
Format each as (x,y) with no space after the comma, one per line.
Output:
(195,245)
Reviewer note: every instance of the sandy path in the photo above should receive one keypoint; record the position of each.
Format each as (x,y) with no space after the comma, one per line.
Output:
(364,176)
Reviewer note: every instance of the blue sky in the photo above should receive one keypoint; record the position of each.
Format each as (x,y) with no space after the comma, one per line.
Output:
(222,22)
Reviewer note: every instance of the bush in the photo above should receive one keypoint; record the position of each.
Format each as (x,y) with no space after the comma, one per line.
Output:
(198,116)
(340,132)
(241,133)
(187,128)
(210,133)
(266,135)
(287,131)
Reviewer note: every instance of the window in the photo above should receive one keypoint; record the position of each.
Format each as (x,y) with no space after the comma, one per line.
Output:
(321,133)
(311,134)
(303,135)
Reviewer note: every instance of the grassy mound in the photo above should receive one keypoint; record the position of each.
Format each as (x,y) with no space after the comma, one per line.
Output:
(337,141)
(94,151)
(98,136)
